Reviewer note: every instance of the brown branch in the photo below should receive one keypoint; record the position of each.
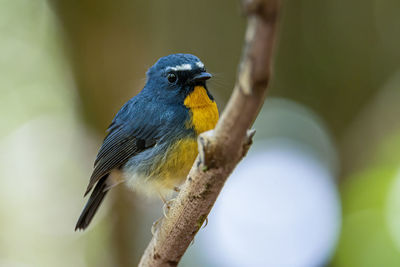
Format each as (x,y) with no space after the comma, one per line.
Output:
(220,150)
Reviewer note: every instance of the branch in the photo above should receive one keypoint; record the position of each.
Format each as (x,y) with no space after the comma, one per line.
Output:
(220,150)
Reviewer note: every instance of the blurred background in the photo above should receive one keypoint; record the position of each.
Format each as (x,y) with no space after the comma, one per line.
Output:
(320,186)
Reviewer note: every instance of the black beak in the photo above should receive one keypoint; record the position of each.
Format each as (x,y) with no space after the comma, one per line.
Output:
(201,77)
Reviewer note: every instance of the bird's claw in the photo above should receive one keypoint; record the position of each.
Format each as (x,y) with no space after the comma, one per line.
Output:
(177,189)
(204,226)
(167,206)
(155,226)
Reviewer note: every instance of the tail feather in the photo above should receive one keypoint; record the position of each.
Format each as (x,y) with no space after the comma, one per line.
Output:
(94,202)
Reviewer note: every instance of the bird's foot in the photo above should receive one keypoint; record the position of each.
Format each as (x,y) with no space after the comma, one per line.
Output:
(204,226)
(177,189)
(167,206)
(156,225)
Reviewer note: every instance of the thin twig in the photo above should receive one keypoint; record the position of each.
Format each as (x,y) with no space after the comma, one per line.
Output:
(220,150)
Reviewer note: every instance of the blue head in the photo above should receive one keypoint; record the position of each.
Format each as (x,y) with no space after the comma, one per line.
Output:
(174,77)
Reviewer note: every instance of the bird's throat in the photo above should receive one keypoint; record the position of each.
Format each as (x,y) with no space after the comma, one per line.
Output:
(203,110)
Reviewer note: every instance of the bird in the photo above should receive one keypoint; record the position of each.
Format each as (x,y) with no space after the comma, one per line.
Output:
(152,141)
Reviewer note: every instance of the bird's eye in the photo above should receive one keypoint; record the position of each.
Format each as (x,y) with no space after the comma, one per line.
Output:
(172,77)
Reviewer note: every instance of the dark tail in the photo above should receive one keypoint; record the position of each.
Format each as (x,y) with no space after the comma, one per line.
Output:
(94,202)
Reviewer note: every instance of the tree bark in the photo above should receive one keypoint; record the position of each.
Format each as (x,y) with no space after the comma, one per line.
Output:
(220,150)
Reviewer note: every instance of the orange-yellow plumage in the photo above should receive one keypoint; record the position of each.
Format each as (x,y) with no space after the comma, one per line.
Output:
(180,157)
(177,161)
(203,110)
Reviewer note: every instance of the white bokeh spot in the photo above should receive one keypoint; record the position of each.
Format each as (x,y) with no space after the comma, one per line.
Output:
(280,208)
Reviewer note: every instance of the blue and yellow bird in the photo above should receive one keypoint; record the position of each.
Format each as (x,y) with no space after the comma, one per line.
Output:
(152,141)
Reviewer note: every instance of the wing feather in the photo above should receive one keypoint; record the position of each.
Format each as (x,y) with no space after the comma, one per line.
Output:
(128,136)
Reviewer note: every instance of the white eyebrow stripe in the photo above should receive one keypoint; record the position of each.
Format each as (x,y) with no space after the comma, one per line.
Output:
(200,64)
(181,67)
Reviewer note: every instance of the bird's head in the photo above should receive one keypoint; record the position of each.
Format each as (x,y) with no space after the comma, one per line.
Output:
(172,78)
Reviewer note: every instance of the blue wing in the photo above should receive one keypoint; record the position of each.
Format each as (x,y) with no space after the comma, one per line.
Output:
(135,128)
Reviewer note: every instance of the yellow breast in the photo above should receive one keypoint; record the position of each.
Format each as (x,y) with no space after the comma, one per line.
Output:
(169,170)
(172,167)
(176,164)
(203,111)
(181,155)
